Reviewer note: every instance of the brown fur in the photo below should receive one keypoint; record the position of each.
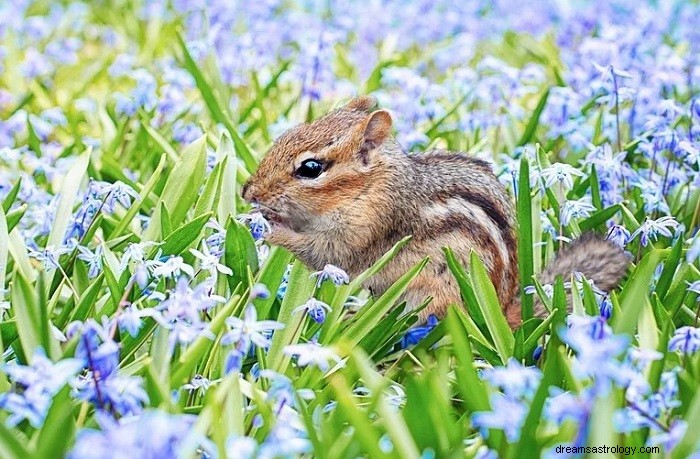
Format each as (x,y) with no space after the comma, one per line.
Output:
(371,194)
(591,255)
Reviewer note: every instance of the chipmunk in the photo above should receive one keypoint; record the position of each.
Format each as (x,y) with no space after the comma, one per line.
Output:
(342,191)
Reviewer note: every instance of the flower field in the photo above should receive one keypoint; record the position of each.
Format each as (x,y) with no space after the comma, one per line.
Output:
(143,313)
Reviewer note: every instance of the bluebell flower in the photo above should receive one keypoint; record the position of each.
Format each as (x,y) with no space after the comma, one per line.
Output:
(210,262)
(315,309)
(131,318)
(285,440)
(312,353)
(102,385)
(186,133)
(606,308)
(234,361)
(575,209)
(416,334)
(650,229)
(686,339)
(200,384)
(172,267)
(93,260)
(560,173)
(241,447)
(259,227)
(484,452)
(48,256)
(618,235)
(124,105)
(249,329)
(181,312)
(537,353)
(514,380)
(335,274)
(694,287)
(669,439)
(34,387)
(117,192)
(597,350)
(123,64)
(133,437)
(259,291)
(122,395)
(507,414)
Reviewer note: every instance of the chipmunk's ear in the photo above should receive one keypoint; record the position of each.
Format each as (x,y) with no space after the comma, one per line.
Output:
(377,130)
(361,104)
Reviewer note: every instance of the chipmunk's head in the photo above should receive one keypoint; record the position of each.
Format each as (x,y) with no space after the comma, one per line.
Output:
(315,171)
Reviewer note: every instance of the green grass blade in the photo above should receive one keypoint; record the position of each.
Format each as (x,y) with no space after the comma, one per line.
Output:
(491,309)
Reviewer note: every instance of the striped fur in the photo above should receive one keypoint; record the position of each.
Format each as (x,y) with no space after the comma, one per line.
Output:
(372,194)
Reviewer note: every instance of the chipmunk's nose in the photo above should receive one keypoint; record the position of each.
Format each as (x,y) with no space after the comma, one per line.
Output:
(247,192)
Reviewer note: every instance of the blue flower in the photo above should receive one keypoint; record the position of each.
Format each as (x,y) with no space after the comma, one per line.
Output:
(34,387)
(133,437)
(597,350)
(686,340)
(259,227)
(93,259)
(315,309)
(335,274)
(650,229)
(416,334)
(515,380)
(575,209)
(618,235)
(507,414)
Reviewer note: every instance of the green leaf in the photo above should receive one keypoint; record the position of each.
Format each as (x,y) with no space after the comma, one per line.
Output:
(85,304)
(599,218)
(474,395)
(26,308)
(57,433)
(184,236)
(532,124)
(491,309)
(10,446)
(525,243)
(181,188)
(690,440)
(212,102)
(67,197)
(209,198)
(635,294)
(300,288)
(136,205)
(342,293)
(365,432)
(670,267)
(371,314)
(166,226)
(465,287)
(271,275)
(240,253)
(161,142)
(595,188)
(4,251)
(229,182)
(531,341)
(11,196)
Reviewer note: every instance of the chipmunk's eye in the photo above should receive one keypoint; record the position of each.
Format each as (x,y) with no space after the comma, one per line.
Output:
(309,169)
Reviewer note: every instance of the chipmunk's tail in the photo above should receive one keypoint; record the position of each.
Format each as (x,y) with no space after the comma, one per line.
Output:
(593,256)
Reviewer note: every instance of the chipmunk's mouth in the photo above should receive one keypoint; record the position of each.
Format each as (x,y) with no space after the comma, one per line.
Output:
(273,217)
